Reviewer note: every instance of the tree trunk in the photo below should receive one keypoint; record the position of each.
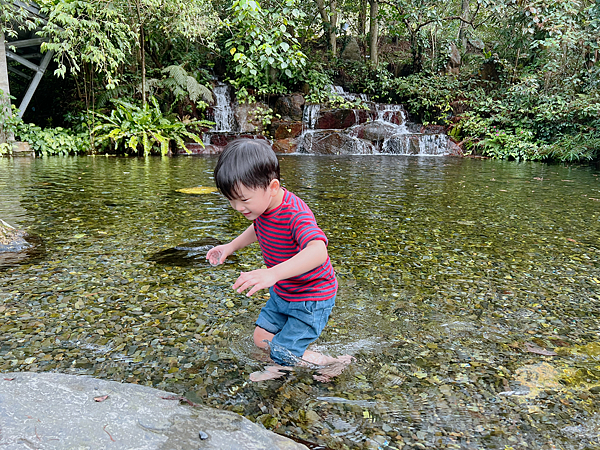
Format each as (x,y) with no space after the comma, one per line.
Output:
(415,49)
(143,57)
(142,51)
(4,88)
(374,32)
(362,18)
(332,27)
(329,23)
(462,31)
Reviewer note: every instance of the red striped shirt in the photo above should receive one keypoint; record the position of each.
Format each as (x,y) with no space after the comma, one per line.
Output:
(282,233)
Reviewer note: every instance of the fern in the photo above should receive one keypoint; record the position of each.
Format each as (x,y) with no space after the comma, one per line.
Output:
(187,84)
(110,94)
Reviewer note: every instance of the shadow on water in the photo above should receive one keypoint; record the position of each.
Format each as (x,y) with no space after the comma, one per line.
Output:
(469,295)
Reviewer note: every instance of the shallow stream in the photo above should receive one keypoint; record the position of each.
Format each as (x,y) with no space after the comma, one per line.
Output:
(469,295)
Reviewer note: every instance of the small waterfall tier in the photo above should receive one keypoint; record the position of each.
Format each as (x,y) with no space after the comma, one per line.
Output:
(374,128)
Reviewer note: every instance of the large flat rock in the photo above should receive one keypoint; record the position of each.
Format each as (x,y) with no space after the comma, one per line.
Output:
(57,411)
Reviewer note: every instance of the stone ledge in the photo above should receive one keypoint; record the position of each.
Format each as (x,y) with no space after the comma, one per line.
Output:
(58,411)
(22,149)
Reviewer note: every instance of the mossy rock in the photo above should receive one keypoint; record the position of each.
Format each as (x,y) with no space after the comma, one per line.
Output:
(198,190)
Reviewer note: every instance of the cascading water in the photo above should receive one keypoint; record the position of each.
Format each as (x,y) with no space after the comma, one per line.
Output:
(223,112)
(310,115)
(349,95)
(381,129)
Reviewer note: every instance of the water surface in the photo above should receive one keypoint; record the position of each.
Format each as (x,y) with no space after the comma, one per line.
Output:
(459,279)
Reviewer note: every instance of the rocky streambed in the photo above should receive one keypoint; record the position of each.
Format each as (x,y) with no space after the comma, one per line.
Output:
(469,295)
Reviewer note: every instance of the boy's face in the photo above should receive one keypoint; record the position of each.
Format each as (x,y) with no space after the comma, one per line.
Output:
(254,202)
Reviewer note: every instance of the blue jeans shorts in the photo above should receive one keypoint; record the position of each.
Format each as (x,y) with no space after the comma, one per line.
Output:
(295,325)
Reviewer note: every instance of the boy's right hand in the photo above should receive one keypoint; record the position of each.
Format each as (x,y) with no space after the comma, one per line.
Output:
(217,255)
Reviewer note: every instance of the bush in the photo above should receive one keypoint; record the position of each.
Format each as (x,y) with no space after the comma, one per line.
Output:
(53,141)
(133,129)
(44,141)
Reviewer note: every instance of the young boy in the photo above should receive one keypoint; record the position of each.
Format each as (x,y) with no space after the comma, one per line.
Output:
(299,274)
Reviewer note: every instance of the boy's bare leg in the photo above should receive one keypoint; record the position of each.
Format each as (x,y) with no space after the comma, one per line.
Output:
(332,366)
(271,372)
(260,336)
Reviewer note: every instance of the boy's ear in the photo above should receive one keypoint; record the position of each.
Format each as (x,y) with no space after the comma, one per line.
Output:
(274,186)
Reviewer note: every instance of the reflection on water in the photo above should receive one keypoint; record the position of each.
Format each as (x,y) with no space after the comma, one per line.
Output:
(447,269)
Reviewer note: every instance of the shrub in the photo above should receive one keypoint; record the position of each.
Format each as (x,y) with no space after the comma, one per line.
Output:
(133,129)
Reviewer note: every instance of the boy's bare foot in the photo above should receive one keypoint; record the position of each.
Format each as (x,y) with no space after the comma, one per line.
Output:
(270,373)
(319,359)
(333,368)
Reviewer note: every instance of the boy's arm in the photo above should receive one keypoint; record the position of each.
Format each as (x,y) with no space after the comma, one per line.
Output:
(311,256)
(218,255)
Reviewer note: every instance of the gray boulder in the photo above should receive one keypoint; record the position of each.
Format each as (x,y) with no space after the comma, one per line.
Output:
(58,411)
(11,239)
(290,107)
(333,142)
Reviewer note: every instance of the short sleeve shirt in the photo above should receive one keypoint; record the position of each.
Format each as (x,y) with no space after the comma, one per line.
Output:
(282,233)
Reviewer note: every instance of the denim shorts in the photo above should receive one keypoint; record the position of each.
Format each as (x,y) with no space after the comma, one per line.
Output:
(295,325)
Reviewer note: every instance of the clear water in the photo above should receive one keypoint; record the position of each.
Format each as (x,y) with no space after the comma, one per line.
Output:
(451,271)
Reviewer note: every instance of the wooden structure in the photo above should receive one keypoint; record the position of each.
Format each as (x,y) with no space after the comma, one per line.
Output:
(26,51)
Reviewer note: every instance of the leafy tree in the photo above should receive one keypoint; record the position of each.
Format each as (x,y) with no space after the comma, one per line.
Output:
(264,45)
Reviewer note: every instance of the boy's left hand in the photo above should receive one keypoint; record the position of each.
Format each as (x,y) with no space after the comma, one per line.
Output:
(256,279)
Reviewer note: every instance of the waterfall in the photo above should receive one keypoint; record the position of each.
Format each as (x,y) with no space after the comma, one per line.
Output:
(349,95)
(391,113)
(384,130)
(417,144)
(433,144)
(223,112)
(310,115)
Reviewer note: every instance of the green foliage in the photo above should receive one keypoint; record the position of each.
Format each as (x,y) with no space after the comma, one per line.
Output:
(430,97)
(366,79)
(319,83)
(534,73)
(265,115)
(133,129)
(53,141)
(580,147)
(264,49)
(45,142)
(181,87)
(14,17)
(525,124)
(87,32)
(515,144)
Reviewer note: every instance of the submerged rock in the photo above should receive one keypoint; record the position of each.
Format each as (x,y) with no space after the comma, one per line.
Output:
(16,245)
(187,254)
(60,411)
(11,239)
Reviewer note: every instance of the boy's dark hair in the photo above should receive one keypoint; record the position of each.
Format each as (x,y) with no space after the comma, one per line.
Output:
(248,162)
